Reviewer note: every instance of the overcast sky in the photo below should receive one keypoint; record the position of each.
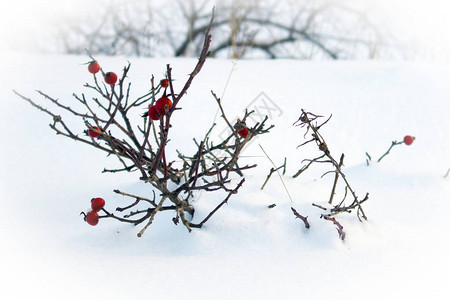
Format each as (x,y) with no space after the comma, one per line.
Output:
(428,20)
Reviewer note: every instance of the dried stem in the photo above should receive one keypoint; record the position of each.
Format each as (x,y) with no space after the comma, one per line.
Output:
(319,206)
(340,228)
(309,121)
(304,168)
(274,169)
(368,159)
(446,174)
(394,143)
(336,177)
(230,193)
(304,219)
(138,198)
(152,217)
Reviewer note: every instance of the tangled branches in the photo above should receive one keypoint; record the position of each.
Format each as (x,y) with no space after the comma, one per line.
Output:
(309,120)
(143,148)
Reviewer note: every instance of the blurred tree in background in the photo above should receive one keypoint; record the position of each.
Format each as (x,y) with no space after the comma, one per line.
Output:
(301,29)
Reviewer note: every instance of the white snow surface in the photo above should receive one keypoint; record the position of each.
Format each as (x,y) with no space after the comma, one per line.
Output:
(245,251)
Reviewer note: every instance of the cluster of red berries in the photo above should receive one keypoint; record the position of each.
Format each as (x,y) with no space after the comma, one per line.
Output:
(159,109)
(154,112)
(408,140)
(110,77)
(92,216)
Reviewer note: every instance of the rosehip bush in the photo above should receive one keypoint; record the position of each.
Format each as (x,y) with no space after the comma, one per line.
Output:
(111,117)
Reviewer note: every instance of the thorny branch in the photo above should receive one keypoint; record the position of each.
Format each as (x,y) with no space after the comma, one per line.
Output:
(340,228)
(234,191)
(304,219)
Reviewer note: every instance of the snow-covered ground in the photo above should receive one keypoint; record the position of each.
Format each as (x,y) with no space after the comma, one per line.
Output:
(245,251)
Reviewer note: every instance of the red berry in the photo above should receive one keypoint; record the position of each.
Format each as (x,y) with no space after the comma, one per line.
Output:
(164,83)
(161,104)
(92,218)
(93,132)
(110,78)
(408,140)
(94,67)
(97,204)
(243,132)
(152,113)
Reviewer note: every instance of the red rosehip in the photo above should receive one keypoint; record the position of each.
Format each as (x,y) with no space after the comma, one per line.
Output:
(152,113)
(93,132)
(161,104)
(110,78)
(97,204)
(92,218)
(243,133)
(164,83)
(408,140)
(93,67)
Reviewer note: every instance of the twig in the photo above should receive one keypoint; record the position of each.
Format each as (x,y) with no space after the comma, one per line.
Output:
(56,102)
(203,55)
(368,159)
(319,206)
(340,228)
(272,170)
(394,143)
(304,219)
(234,191)
(276,170)
(446,174)
(152,216)
(223,114)
(302,169)
(138,198)
(336,177)
(39,107)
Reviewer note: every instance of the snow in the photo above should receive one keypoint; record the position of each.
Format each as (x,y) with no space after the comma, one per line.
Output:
(245,251)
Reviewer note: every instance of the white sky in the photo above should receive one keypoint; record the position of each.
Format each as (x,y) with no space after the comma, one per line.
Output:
(428,20)
(21,19)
